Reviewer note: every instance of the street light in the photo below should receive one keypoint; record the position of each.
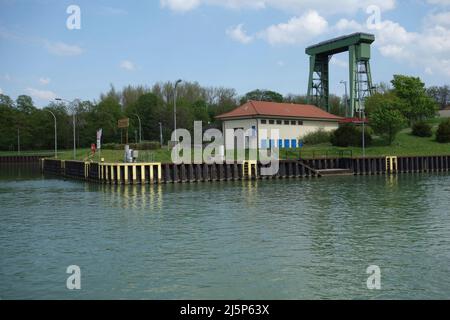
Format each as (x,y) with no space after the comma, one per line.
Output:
(56,134)
(346,96)
(74,137)
(175,108)
(161,134)
(18,141)
(140,127)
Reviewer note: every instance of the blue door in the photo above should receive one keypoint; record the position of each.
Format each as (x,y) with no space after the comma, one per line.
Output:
(280,144)
(294,143)
(286,143)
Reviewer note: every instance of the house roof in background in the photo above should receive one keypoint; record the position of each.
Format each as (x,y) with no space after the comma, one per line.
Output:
(262,108)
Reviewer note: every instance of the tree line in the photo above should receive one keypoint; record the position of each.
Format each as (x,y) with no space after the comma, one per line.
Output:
(154,105)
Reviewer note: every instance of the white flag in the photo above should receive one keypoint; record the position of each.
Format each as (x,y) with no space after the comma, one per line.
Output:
(99,138)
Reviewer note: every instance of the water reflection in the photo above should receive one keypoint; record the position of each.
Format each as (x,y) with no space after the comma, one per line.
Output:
(139,197)
(275,239)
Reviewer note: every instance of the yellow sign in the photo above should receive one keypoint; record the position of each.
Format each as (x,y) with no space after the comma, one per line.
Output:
(123,123)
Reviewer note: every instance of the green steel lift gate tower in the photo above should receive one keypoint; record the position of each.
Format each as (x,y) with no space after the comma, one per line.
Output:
(358,46)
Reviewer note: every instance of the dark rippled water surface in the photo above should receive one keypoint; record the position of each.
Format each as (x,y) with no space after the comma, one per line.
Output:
(284,239)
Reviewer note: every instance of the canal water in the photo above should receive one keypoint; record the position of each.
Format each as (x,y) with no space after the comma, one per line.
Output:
(283,239)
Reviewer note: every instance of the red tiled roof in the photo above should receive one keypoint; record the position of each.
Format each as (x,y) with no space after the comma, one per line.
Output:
(290,110)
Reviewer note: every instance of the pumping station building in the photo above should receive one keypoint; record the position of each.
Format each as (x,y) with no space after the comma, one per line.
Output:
(293,122)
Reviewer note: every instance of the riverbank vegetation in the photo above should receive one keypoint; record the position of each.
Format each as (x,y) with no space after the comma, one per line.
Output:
(392,111)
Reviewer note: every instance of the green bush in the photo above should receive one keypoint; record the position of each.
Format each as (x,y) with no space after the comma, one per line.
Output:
(422,129)
(443,132)
(349,135)
(317,137)
(146,145)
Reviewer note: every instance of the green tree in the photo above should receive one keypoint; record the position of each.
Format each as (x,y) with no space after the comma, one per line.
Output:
(387,98)
(25,104)
(200,110)
(441,95)
(417,104)
(151,111)
(443,132)
(387,121)
(105,116)
(8,138)
(262,95)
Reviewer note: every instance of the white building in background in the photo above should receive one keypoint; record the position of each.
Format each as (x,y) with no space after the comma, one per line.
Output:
(293,122)
(445,113)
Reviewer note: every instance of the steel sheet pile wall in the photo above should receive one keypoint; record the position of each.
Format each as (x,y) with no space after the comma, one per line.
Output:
(20,159)
(140,173)
(55,167)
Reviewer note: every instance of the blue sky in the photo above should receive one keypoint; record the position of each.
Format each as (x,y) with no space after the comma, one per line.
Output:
(243,44)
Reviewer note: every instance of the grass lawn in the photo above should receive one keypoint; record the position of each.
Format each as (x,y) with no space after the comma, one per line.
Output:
(404,145)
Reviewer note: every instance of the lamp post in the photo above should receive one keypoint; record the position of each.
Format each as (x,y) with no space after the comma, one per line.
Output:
(56,134)
(140,127)
(161,134)
(346,96)
(18,141)
(74,136)
(175,108)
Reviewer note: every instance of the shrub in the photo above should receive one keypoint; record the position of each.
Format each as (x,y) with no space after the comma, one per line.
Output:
(422,129)
(443,132)
(317,137)
(145,145)
(350,136)
(387,121)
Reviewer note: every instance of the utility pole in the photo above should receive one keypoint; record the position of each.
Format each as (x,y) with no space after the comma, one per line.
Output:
(56,134)
(140,127)
(175,108)
(161,134)
(18,141)
(346,97)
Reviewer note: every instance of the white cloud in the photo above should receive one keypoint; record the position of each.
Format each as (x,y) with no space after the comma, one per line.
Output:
(440,2)
(281,63)
(63,49)
(127,65)
(291,6)
(238,34)
(427,49)
(347,26)
(41,94)
(296,30)
(440,19)
(1,91)
(180,5)
(44,81)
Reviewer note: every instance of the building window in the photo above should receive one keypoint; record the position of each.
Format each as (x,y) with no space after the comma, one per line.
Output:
(286,122)
(294,144)
(293,122)
(263,121)
(300,123)
(263,144)
(279,122)
(271,121)
(286,144)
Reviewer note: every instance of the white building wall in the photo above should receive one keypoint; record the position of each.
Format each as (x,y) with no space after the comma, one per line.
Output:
(444,113)
(286,132)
